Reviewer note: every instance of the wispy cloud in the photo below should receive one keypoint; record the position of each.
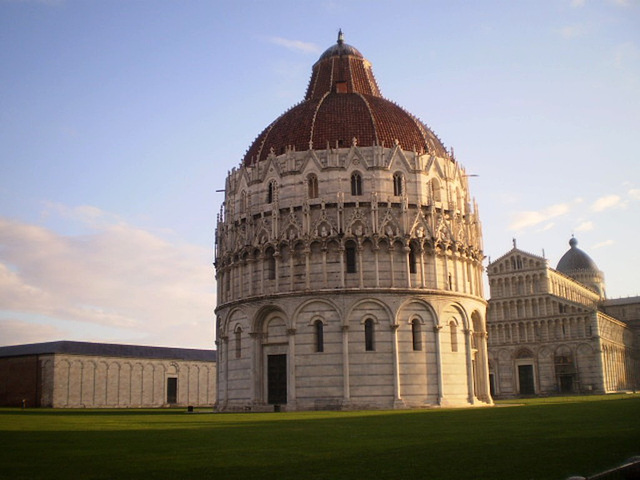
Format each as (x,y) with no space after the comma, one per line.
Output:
(625,54)
(607,202)
(605,243)
(117,276)
(19,331)
(585,226)
(530,218)
(296,45)
(634,193)
(573,31)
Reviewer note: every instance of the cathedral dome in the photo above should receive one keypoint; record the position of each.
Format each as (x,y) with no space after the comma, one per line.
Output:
(575,259)
(579,266)
(343,106)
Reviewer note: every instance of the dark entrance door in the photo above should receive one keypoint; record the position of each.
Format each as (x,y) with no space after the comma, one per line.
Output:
(566,383)
(277,379)
(525,375)
(172,390)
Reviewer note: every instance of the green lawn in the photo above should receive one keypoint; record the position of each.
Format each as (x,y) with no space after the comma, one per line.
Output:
(537,439)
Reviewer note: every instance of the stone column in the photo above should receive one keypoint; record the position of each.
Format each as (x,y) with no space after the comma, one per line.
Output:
(423,280)
(436,330)
(468,354)
(307,267)
(256,390)
(291,265)
(483,372)
(391,250)
(360,272)
(407,253)
(435,267)
(291,370)
(276,256)
(346,390)
(250,262)
(376,249)
(324,265)
(261,260)
(342,272)
(397,394)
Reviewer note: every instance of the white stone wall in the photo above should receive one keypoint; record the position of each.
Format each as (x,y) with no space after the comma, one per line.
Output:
(92,382)
(344,374)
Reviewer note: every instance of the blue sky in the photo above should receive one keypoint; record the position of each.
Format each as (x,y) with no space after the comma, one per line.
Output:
(120,119)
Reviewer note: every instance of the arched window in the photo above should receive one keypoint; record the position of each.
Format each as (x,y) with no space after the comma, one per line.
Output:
(270,264)
(412,258)
(319,332)
(238,341)
(312,184)
(436,192)
(271,191)
(243,202)
(350,256)
(453,327)
(398,181)
(369,343)
(356,184)
(416,335)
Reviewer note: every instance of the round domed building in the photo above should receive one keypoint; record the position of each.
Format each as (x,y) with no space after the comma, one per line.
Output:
(575,263)
(349,259)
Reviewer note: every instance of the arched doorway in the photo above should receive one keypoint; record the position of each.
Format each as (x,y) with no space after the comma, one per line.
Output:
(275,359)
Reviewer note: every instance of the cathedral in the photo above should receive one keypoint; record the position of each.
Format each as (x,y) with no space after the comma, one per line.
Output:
(348,256)
(553,331)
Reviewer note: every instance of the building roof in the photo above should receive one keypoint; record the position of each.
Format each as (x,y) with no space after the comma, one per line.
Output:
(609,302)
(109,350)
(576,260)
(343,105)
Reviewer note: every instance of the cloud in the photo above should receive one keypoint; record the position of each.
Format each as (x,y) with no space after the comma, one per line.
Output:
(86,215)
(607,202)
(585,226)
(578,3)
(625,54)
(634,194)
(14,331)
(572,31)
(296,45)
(117,276)
(526,219)
(605,243)
(548,226)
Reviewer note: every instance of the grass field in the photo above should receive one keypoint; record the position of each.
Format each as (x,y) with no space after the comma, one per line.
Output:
(537,439)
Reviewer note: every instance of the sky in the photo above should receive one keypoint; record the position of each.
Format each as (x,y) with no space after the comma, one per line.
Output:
(119,121)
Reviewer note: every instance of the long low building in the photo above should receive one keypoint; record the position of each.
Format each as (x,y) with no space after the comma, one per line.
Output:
(101,375)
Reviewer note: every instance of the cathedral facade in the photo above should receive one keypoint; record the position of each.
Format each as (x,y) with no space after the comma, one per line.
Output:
(349,259)
(552,331)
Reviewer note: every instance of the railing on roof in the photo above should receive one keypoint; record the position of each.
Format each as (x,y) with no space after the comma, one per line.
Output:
(629,470)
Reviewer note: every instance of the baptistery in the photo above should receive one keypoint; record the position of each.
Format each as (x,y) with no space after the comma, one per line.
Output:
(348,256)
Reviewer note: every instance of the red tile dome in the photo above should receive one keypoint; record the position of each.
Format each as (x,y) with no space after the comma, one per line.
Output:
(343,103)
